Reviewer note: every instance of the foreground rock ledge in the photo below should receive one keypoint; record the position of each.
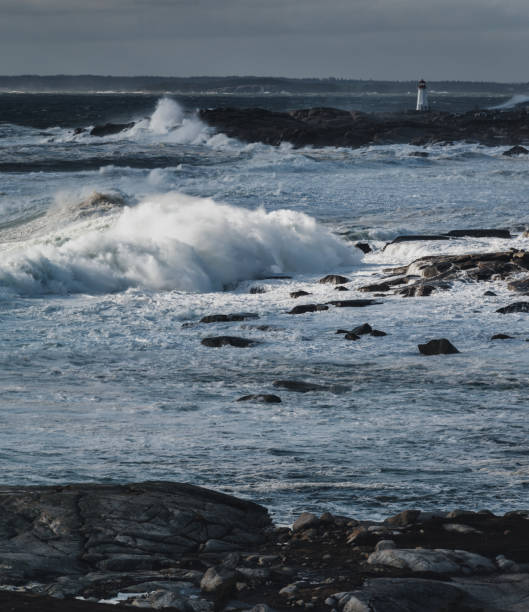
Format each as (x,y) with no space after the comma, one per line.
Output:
(182,548)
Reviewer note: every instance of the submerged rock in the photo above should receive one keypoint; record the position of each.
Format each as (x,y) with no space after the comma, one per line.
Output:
(501,337)
(440,346)
(353,303)
(516,150)
(299,386)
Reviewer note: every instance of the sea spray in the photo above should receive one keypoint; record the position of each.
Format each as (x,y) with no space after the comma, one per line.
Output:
(176,242)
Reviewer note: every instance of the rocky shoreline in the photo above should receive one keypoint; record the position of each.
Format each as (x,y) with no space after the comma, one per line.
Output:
(161,545)
(339,128)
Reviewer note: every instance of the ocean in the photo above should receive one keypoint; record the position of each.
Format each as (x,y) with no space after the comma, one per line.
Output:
(103,376)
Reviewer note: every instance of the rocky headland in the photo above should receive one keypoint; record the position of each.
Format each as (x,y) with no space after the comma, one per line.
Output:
(340,128)
(160,545)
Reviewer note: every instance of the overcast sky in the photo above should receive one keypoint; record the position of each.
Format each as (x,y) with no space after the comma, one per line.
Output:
(364,39)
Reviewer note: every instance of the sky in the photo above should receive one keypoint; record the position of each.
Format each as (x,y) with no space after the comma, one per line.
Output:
(478,40)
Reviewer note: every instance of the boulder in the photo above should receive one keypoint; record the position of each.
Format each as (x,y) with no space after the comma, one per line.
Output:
(263,398)
(303,308)
(501,337)
(225,318)
(361,330)
(439,561)
(306,520)
(298,294)
(363,246)
(341,288)
(516,150)
(377,333)
(110,128)
(353,303)
(351,336)
(440,346)
(218,341)
(334,279)
(515,307)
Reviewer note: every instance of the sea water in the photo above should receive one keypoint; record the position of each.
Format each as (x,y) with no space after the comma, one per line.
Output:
(102,373)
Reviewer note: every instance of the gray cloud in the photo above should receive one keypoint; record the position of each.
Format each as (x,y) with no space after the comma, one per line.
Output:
(469,39)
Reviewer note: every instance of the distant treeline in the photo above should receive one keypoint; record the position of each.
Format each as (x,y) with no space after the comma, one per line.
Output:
(239,85)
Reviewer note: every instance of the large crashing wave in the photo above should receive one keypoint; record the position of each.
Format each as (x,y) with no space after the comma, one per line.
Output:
(177,242)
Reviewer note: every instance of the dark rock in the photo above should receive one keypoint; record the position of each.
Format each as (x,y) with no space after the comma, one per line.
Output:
(218,341)
(516,150)
(403,518)
(418,290)
(303,308)
(334,279)
(419,154)
(341,128)
(342,331)
(341,288)
(300,293)
(219,582)
(64,531)
(305,521)
(489,294)
(363,246)
(353,303)
(515,307)
(351,336)
(501,337)
(480,233)
(520,285)
(375,287)
(225,318)
(378,333)
(257,289)
(440,346)
(265,398)
(299,386)
(110,128)
(360,330)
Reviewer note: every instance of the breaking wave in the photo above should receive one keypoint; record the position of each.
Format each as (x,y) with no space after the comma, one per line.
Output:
(175,242)
(514,101)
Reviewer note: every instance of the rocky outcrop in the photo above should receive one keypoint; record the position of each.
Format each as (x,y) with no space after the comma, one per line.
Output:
(440,346)
(77,529)
(261,398)
(341,128)
(334,279)
(110,128)
(432,273)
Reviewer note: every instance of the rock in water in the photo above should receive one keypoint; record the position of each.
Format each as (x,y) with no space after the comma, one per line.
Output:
(225,318)
(218,341)
(299,386)
(110,128)
(515,307)
(516,150)
(298,294)
(303,308)
(334,279)
(363,246)
(263,398)
(440,346)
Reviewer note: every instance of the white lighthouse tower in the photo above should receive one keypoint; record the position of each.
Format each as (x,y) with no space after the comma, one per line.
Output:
(422,96)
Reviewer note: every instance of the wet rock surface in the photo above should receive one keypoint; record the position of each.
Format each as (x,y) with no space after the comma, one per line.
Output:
(340,128)
(414,561)
(439,346)
(219,341)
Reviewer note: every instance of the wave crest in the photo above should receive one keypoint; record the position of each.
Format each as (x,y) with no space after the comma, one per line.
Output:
(177,242)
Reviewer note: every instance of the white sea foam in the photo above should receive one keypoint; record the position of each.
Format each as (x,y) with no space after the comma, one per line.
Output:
(175,242)
(514,101)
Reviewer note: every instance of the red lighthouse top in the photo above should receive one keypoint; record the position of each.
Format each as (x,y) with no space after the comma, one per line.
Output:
(422,84)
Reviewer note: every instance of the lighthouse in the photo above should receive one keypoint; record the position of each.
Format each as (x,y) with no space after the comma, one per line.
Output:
(422,96)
